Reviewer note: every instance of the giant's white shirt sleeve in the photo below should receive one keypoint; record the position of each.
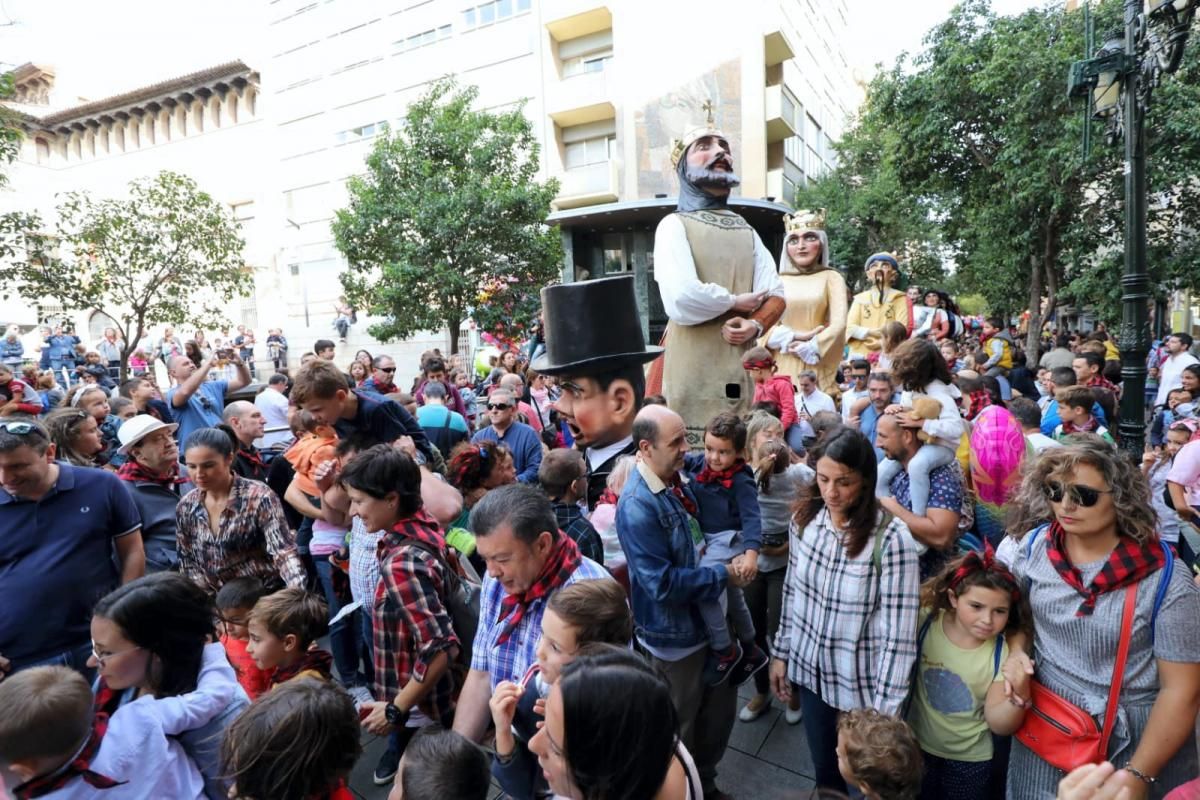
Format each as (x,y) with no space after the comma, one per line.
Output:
(686,299)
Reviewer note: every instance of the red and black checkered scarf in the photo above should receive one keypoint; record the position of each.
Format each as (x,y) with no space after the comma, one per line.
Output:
(1129,562)
(134,472)
(1103,383)
(317,660)
(724,477)
(79,767)
(562,562)
(977,401)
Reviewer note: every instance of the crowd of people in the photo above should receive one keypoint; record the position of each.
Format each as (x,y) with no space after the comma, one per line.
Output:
(916,538)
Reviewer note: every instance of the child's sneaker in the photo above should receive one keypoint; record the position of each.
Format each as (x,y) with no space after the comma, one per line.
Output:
(720,664)
(754,660)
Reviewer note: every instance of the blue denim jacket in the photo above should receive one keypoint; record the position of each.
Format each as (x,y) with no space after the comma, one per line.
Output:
(62,347)
(665,579)
(11,352)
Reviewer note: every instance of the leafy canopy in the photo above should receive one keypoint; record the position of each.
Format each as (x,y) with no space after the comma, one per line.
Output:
(449,221)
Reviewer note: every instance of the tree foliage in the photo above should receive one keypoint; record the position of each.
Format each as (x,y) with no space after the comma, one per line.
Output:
(449,221)
(166,253)
(974,146)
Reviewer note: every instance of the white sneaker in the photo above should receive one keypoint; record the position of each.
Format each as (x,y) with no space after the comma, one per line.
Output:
(361,694)
(758,705)
(792,715)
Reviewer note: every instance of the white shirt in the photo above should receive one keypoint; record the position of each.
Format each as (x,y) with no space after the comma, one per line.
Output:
(1040,441)
(274,408)
(848,399)
(686,300)
(596,456)
(1170,374)
(814,403)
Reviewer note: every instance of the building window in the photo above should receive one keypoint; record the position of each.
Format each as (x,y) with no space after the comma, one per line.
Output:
(423,39)
(582,65)
(495,11)
(368,131)
(597,150)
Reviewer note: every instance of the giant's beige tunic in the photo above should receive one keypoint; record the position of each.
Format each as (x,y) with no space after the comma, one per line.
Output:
(867,313)
(702,373)
(815,298)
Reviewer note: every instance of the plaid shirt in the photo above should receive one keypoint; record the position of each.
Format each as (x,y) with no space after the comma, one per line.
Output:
(364,564)
(411,624)
(573,523)
(509,661)
(254,539)
(848,631)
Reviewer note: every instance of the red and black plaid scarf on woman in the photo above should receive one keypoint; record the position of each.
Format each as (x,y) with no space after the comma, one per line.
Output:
(317,660)
(1129,562)
(79,767)
(977,401)
(724,477)
(134,472)
(563,560)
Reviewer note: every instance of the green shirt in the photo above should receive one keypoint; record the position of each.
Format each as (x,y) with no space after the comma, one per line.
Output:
(950,690)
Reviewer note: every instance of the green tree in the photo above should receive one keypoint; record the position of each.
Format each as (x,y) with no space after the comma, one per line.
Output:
(449,221)
(12,224)
(165,253)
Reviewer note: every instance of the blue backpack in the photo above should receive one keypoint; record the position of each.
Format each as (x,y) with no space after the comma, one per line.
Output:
(1164,581)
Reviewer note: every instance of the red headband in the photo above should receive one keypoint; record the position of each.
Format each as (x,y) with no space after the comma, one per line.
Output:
(762,363)
(986,562)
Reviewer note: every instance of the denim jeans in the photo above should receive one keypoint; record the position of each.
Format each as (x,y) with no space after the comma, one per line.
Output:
(343,634)
(764,597)
(820,728)
(367,642)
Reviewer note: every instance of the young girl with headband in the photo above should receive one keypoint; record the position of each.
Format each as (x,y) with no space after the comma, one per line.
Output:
(958,698)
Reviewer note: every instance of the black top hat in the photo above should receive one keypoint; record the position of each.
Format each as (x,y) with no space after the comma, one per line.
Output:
(592,326)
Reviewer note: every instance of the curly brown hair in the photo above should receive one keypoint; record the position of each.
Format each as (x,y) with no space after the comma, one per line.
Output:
(882,753)
(986,572)
(916,363)
(1130,490)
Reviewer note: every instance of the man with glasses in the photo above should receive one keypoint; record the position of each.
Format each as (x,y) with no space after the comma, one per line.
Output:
(196,401)
(520,439)
(856,377)
(61,526)
(515,383)
(383,377)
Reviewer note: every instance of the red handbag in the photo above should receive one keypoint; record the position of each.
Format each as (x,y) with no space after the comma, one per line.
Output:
(1063,734)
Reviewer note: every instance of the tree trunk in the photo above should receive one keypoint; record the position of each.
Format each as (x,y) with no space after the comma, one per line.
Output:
(452,326)
(1033,334)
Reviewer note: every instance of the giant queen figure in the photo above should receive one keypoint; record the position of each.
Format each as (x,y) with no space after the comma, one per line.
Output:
(718,284)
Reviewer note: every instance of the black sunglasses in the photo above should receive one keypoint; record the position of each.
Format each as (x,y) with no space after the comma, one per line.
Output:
(386,369)
(498,407)
(1084,496)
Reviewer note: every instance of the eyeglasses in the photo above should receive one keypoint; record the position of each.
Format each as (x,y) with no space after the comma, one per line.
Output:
(498,407)
(1084,496)
(103,660)
(386,369)
(232,620)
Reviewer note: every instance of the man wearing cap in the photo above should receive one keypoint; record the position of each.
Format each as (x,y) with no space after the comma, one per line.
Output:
(62,524)
(596,348)
(718,284)
(156,481)
(876,306)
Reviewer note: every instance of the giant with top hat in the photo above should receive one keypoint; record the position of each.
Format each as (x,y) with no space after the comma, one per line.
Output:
(592,327)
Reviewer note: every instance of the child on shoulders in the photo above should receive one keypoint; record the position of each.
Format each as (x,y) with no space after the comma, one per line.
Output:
(284,628)
(770,387)
(920,370)
(730,520)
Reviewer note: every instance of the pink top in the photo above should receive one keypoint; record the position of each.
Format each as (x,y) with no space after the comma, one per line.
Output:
(780,391)
(1185,471)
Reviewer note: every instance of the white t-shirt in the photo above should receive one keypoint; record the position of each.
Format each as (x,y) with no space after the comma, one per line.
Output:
(1170,374)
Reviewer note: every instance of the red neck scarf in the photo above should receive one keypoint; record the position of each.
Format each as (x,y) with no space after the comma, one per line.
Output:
(1091,426)
(724,477)
(564,559)
(1128,563)
(979,400)
(134,472)
(676,487)
(317,660)
(1102,382)
(79,767)
(608,496)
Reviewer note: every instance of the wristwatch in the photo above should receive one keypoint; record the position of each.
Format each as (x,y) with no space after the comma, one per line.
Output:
(1141,776)
(395,717)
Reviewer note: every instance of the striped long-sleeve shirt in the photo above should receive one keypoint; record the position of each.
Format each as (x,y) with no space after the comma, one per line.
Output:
(848,628)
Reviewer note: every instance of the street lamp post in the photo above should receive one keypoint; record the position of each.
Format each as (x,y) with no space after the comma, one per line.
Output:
(1155,34)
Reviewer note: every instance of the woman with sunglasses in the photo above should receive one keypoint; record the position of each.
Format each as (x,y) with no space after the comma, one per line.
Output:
(153,637)
(1101,539)
(230,527)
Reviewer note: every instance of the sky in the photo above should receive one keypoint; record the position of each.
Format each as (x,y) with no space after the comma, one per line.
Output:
(103,48)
